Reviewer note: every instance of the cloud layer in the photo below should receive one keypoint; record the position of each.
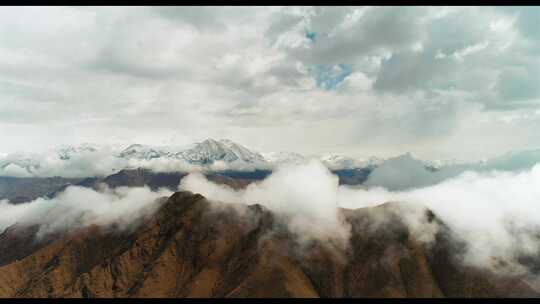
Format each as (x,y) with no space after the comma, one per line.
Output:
(385,79)
(309,203)
(78,207)
(494,213)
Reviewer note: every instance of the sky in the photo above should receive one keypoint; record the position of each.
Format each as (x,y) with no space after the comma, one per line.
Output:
(439,82)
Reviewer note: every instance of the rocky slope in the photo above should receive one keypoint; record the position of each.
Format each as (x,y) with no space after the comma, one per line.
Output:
(192,247)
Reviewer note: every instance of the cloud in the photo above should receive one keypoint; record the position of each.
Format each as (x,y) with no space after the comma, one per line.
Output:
(493,212)
(147,74)
(310,206)
(102,162)
(78,207)
(469,50)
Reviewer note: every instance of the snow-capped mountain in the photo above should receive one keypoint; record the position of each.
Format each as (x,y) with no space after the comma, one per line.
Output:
(139,151)
(204,153)
(216,155)
(210,151)
(66,152)
(333,161)
(339,162)
(441,163)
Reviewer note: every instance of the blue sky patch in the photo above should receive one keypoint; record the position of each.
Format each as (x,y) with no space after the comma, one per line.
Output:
(328,77)
(311,36)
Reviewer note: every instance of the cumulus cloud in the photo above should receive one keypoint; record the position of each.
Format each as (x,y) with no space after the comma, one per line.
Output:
(78,207)
(100,162)
(310,206)
(495,213)
(179,75)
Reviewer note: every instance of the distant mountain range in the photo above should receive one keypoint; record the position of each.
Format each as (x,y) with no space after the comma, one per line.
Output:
(212,155)
(71,164)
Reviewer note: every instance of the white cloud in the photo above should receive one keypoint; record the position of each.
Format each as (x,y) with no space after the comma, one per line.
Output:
(78,207)
(495,213)
(440,54)
(146,74)
(469,50)
(310,205)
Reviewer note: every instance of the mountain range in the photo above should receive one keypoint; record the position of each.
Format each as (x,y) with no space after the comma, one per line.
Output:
(213,155)
(193,247)
(209,154)
(27,176)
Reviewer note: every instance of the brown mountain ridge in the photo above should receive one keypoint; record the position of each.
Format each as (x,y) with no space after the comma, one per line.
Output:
(193,247)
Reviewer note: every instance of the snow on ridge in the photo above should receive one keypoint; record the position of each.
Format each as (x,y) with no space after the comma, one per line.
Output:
(211,150)
(89,159)
(337,162)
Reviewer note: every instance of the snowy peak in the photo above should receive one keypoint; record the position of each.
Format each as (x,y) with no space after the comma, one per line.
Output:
(332,161)
(443,163)
(139,151)
(66,152)
(203,153)
(210,151)
(337,162)
(340,162)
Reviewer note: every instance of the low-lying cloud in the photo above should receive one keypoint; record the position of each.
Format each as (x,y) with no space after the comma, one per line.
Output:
(495,213)
(84,164)
(305,194)
(104,162)
(78,207)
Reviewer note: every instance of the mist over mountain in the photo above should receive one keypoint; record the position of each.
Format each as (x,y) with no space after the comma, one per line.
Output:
(269,151)
(195,247)
(297,224)
(358,219)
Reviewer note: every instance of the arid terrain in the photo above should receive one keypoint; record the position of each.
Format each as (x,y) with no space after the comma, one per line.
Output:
(193,247)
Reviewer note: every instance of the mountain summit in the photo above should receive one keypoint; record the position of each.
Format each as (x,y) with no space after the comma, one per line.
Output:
(211,150)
